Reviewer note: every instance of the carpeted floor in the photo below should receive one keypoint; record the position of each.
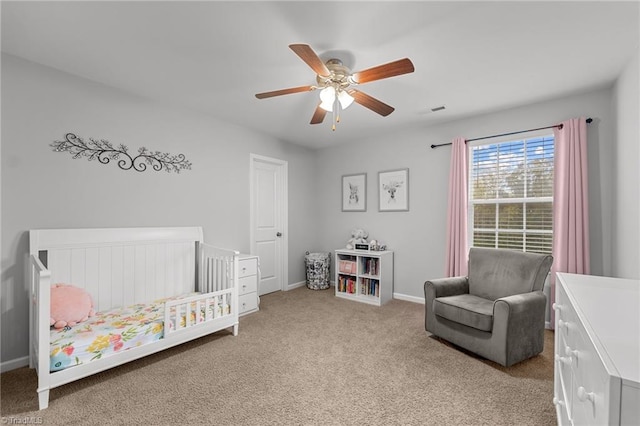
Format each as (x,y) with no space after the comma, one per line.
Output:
(306,358)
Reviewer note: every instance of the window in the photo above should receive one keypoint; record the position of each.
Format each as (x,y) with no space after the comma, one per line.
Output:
(511,195)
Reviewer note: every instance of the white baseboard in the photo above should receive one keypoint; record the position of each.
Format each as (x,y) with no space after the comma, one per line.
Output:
(14,363)
(408,298)
(296,285)
(547,325)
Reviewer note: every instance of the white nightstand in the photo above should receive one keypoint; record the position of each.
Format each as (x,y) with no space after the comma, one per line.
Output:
(249,277)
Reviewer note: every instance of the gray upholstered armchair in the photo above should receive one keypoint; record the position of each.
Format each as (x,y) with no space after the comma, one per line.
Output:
(497,311)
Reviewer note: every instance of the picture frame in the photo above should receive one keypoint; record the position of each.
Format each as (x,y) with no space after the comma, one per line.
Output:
(393,190)
(354,192)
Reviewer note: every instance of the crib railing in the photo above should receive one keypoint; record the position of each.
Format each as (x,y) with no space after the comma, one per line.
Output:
(218,268)
(184,313)
(217,281)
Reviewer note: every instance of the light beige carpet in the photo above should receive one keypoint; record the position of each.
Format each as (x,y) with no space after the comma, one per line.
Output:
(305,358)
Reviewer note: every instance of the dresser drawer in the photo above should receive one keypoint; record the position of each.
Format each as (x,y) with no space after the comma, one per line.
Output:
(590,384)
(248,302)
(582,371)
(247,267)
(247,284)
(561,412)
(568,322)
(564,370)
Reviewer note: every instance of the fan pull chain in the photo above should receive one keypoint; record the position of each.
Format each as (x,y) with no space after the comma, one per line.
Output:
(336,105)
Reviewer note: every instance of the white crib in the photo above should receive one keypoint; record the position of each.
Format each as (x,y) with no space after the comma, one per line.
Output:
(126,266)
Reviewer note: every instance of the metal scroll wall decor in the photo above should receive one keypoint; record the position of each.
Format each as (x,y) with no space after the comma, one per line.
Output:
(103,151)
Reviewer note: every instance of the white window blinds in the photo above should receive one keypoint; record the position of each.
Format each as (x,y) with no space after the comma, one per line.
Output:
(511,195)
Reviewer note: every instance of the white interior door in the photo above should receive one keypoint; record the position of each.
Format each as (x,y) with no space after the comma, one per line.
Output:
(269,221)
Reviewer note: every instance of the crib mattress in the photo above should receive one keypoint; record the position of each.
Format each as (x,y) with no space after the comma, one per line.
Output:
(114,331)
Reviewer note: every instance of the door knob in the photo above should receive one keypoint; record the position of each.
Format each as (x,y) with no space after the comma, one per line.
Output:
(279,234)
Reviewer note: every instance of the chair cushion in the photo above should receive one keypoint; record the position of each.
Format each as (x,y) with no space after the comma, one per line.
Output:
(496,273)
(467,309)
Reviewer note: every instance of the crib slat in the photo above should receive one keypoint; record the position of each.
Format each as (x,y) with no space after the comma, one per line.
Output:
(105,280)
(150,276)
(212,272)
(129,276)
(117,278)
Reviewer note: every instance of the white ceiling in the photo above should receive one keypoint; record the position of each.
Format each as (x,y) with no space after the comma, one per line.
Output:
(472,57)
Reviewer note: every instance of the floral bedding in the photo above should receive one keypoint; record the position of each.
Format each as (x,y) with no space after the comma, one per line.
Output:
(114,331)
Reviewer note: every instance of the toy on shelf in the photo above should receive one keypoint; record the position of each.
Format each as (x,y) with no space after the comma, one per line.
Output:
(358,236)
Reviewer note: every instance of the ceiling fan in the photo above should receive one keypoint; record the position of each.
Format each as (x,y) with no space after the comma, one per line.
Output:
(336,81)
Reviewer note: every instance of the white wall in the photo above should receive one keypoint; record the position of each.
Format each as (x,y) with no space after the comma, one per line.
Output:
(46,189)
(418,237)
(626,239)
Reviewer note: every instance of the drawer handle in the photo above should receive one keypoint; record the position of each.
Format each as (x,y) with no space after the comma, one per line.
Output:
(563,360)
(563,324)
(557,307)
(570,352)
(244,268)
(556,401)
(583,395)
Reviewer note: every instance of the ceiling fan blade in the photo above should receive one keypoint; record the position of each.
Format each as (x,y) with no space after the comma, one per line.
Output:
(399,67)
(306,53)
(370,102)
(284,92)
(318,115)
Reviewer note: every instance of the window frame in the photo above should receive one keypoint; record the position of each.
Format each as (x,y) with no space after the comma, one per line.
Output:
(498,201)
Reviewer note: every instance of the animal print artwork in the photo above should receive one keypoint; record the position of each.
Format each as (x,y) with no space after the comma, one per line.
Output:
(353,196)
(354,193)
(391,188)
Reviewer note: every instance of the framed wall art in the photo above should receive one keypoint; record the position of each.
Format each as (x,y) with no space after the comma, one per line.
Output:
(393,190)
(354,193)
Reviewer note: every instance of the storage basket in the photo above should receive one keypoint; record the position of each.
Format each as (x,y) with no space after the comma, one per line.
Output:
(318,275)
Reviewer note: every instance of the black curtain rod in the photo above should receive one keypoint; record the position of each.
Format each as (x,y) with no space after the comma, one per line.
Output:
(559,126)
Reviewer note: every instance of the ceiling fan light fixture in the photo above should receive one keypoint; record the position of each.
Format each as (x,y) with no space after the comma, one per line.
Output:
(345,99)
(328,97)
(327,106)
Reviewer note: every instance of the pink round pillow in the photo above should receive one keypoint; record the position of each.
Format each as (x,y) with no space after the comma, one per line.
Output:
(69,305)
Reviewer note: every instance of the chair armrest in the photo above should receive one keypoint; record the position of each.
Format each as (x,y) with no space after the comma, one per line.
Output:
(518,321)
(443,287)
(521,304)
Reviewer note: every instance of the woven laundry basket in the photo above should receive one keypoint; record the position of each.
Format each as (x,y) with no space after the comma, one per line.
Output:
(318,275)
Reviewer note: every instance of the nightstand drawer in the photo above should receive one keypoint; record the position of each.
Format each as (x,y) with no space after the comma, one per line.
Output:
(248,281)
(247,267)
(247,285)
(248,302)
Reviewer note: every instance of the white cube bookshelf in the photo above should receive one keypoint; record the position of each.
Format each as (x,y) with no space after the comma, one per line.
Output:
(364,276)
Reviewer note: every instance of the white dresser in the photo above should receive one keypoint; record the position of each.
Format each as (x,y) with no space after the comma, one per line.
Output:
(249,277)
(597,350)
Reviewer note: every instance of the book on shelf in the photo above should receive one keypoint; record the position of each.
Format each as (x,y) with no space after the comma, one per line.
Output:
(370,287)
(370,265)
(346,284)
